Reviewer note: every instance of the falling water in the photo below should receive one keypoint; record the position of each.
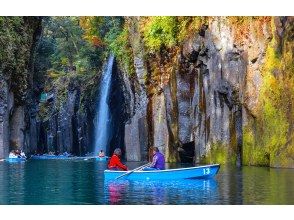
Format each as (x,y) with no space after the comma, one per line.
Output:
(103,115)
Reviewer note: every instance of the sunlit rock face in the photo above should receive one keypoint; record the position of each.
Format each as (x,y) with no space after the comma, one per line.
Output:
(136,138)
(136,133)
(206,92)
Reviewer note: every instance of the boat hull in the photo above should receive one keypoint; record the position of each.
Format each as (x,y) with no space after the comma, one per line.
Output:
(48,157)
(15,160)
(207,171)
(62,157)
(102,158)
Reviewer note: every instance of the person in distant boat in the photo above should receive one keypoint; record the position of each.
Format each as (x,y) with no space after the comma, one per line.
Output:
(22,154)
(17,153)
(12,154)
(158,161)
(66,154)
(114,162)
(101,154)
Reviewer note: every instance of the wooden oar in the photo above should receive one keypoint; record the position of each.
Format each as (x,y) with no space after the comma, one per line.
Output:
(129,172)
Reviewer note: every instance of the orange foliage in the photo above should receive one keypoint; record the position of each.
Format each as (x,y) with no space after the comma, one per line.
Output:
(89,25)
(96,41)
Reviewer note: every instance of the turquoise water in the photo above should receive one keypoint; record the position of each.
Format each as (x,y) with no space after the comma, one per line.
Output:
(81,182)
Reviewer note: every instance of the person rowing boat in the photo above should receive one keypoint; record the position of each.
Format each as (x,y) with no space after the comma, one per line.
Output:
(158,161)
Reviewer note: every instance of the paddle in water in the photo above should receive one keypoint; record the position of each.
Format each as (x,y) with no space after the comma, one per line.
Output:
(131,171)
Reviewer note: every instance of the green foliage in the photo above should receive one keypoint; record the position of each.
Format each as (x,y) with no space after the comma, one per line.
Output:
(188,26)
(10,39)
(63,48)
(166,32)
(160,31)
(16,42)
(112,34)
(121,48)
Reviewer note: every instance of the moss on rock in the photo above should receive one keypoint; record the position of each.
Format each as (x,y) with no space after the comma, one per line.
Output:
(271,143)
(219,153)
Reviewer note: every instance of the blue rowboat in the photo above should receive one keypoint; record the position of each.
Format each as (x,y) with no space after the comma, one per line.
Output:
(15,160)
(48,157)
(199,172)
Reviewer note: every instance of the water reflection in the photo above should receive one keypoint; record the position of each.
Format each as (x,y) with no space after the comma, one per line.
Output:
(268,186)
(161,192)
(11,183)
(99,167)
(230,180)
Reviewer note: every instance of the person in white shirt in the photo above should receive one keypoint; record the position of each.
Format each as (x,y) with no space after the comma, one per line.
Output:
(22,154)
(12,155)
(101,154)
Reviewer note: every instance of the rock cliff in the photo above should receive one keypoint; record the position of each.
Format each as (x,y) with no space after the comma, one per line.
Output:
(209,98)
(201,89)
(18,40)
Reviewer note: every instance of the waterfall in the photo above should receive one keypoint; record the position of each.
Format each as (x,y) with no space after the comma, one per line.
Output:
(103,115)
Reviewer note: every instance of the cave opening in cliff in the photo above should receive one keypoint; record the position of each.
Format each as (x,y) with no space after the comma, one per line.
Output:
(187,152)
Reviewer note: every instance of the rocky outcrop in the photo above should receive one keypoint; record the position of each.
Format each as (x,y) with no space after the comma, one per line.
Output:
(18,39)
(203,94)
(136,135)
(4,118)
(67,128)
(120,109)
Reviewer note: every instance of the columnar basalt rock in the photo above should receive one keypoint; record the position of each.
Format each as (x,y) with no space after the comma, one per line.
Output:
(212,94)
(136,134)
(18,37)
(17,128)
(66,129)
(4,118)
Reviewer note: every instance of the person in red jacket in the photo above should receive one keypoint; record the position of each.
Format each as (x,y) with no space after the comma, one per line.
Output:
(114,162)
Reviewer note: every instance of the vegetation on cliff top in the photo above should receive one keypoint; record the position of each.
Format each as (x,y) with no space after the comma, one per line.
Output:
(16,43)
(168,31)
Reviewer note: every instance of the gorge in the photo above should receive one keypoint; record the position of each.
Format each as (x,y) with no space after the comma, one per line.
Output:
(201,89)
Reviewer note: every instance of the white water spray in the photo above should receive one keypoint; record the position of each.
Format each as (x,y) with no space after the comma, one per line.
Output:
(103,115)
